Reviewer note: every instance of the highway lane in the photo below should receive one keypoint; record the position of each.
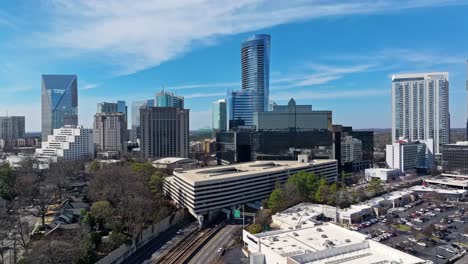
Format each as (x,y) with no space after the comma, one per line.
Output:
(209,252)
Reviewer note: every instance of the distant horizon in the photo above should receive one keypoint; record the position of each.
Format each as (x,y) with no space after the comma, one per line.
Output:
(341,59)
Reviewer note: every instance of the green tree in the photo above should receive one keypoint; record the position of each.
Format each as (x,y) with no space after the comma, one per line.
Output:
(144,169)
(7,182)
(156,183)
(332,195)
(276,201)
(306,184)
(375,185)
(254,228)
(94,166)
(101,210)
(116,239)
(323,191)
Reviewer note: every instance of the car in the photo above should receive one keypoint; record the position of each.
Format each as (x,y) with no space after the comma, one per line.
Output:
(221,251)
(455,246)
(179,232)
(465,235)
(459,220)
(437,209)
(412,239)
(417,228)
(422,244)
(441,257)
(418,220)
(448,250)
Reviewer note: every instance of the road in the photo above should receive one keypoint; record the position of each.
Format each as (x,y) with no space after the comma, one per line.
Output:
(209,252)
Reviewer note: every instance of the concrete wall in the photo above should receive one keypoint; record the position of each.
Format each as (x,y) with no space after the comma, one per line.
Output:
(120,254)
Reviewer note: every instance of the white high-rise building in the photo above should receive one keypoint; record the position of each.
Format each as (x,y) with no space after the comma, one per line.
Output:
(68,143)
(420,108)
(409,156)
(351,149)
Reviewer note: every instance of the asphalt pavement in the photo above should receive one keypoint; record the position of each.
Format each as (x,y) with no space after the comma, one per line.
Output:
(209,252)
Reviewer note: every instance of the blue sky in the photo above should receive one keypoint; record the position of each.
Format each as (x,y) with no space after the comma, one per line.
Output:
(335,55)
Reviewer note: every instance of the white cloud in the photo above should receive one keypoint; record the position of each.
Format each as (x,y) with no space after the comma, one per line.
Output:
(89,86)
(140,34)
(235,85)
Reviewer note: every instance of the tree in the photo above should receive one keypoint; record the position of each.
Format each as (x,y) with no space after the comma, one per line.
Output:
(276,201)
(254,228)
(156,183)
(7,182)
(306,184)
(323,192)
(101,211)
(94,166)
(144,169)
(375,185)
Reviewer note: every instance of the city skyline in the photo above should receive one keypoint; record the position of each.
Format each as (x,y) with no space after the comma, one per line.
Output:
(340,58)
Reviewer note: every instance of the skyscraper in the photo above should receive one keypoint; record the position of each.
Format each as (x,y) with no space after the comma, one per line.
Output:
(12,127)
(164,132)
(420,108)
(167,99)
(118,107)
(255,68)
(59,102)
(219,116)
(136,105)
(110,132)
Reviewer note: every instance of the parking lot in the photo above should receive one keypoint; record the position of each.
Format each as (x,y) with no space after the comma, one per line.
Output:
(430,230)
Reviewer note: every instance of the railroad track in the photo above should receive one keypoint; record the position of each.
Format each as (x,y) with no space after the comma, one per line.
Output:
(190,244)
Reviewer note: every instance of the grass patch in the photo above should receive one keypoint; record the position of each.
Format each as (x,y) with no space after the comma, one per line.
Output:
(403,228)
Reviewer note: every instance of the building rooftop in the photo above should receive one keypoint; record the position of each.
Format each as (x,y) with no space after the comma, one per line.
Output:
(169,160)
(244,169)
(329,243)
(426,75)
(438,190)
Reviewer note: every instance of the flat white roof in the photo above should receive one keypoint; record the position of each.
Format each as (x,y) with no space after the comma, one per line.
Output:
(168,160)
(426,75)
(326,242)
(244,169)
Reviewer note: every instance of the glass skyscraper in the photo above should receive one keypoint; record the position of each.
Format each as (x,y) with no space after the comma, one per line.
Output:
(254,96)
(119,107)
(219,115)
(59,102)
(136,105)
(167,99)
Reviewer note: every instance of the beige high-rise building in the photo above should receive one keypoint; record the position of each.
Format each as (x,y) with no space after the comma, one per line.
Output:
(110,133)
(164,132)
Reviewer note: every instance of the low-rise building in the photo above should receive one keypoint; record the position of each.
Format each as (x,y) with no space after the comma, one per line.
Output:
(207,191)
(386,175)
(449,180)
(68,143)
(322,243)
(172,164)
(455,158)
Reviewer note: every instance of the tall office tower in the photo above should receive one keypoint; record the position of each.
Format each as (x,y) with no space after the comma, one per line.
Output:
(12,127)
(118,107)
(110,133)
(167,99)
(420,108)
(59,102)
(164,132)
(255,68)
(136,105)
(351,149)
(219,116)
(68,143)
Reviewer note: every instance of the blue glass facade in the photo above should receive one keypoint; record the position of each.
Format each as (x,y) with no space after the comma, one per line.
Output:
(136,105)
(166,99)
(59,102)
(255,68)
